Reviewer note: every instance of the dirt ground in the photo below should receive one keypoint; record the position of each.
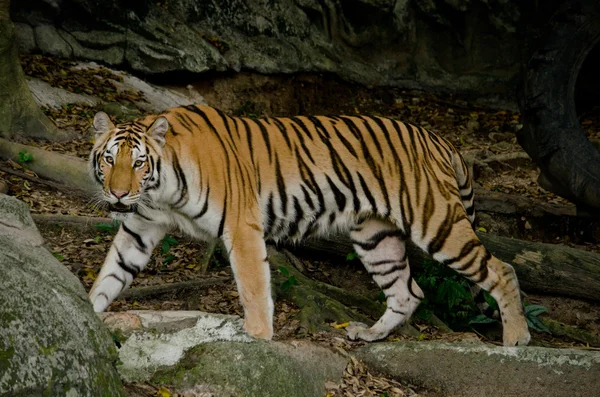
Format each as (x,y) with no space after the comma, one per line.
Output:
(478,133)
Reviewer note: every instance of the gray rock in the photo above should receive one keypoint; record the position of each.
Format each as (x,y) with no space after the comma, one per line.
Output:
(410,44)
(266,369)
(485,370)
(25,38)
(50,42)
(51,341)
(197,352)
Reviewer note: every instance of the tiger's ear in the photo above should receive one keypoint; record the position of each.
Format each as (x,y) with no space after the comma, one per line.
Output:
(158,130)
(102,124)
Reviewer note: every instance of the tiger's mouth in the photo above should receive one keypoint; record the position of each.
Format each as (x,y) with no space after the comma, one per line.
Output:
(120,207)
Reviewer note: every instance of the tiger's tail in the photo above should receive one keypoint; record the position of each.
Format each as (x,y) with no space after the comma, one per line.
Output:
(465,184)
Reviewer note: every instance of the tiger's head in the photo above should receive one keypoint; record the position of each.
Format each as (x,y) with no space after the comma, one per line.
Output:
(125,160)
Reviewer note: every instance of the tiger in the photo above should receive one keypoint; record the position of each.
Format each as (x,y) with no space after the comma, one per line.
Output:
(246,181)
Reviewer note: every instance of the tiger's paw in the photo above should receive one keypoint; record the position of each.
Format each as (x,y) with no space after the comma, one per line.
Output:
(516,335)
(360,331)
(258,331)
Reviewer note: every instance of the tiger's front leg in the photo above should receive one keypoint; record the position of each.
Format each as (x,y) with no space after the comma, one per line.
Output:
(248,258)
(128,255)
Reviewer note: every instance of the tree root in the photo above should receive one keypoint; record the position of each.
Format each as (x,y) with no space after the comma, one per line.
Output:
(173,289)
(559,329)
(321,304)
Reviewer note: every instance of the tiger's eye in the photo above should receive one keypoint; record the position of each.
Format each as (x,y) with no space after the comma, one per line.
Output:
(109,160)
(138,163)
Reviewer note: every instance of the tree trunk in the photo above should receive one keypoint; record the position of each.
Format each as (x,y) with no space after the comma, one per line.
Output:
(19,114)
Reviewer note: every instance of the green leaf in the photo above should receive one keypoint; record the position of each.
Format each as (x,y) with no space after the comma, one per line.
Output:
(537,325)
(25,157)
(168,259)
(351,256)
(490,300)
(285,285)
(535,310)
(167,243)
(284,271)
(482,319)
(105,227)
(292,280)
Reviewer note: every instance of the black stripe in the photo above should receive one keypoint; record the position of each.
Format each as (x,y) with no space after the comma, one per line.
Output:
(397,311)
(332,218)
(389,284)
(352,127)
(265,135)
(470,210)
(436,244)
(283,131)
(143,216)
(303,126)
(248,135)
(140,242)
(464,252)
(410,288)
(345,177)
(302,143)
(270,215)
(118,279)
(367,192)
(299,215)
(307,198)
(222,223)
(468,197)
(371,132)
(181,180)
(281,186)
(377,238)
(131,269)
(205,205)
(344,141)
(340,199)
(389,271)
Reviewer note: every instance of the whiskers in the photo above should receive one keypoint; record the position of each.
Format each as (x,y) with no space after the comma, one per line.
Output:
(98,202)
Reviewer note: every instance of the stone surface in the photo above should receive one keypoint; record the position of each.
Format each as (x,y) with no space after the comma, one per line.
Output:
(50,42)
(486,370)
(51,341)
(156,98)
(196,352)
(25,38)
(446,45)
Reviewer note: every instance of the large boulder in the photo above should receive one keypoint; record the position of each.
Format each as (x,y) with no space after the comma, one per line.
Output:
(479,370)
(196,352)
(51,341)
(452,46)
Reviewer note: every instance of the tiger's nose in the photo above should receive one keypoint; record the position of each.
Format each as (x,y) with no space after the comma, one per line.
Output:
(119,193)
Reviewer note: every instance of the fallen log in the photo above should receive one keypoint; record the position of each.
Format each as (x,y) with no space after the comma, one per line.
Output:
(541,268)
(69,171)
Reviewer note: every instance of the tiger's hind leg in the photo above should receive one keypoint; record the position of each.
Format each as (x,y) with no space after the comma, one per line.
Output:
(457,246)
(383,253)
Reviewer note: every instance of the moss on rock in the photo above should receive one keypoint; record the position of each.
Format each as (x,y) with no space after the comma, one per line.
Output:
(52,342)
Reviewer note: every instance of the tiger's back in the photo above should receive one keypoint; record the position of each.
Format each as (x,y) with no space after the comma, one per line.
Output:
(246,180)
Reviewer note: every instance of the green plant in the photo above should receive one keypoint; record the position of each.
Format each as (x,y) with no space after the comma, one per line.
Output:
(447,295)
(351,256)
(108,227)
(531,315)
(25,158)
(290,280)
(167,243)
(58,256)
